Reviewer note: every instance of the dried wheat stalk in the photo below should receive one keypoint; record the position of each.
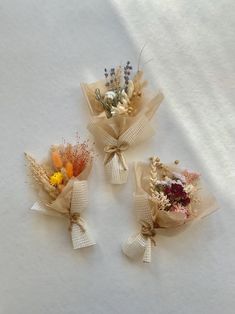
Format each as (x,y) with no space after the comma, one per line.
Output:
(158,198)
(40,176)
(153,175)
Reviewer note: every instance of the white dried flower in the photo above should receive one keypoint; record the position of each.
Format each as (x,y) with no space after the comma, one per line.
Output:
(189,188)
(161,182)
(161,201)
(110,95)
(179,176)
(120,109)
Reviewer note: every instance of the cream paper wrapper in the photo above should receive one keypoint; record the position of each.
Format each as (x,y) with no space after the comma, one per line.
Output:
(71,202)
(118,134)
(140,246)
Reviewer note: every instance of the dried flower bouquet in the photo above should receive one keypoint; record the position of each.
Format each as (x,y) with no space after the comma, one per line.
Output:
(121,109)
(166,197)
(62,187)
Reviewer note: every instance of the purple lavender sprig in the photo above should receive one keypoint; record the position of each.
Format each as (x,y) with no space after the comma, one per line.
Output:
(111,77)
(127,74)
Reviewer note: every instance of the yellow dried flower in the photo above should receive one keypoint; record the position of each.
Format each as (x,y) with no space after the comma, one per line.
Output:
(56,178)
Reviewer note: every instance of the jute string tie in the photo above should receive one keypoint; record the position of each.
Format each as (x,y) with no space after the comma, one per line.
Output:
(111,150)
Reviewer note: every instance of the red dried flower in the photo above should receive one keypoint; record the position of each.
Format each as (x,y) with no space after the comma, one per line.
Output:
(167,190)
(185,201)
(177,190)
(176,194)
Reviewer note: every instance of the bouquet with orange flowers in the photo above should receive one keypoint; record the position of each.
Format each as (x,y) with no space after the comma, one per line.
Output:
(166,197)
(121,110)
(62,187)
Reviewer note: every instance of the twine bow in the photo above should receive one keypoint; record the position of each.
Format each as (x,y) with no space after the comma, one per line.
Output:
(140,245)
(75,218)
(111,150)
(147,230)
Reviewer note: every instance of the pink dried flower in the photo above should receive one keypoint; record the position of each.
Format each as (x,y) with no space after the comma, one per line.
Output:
(178,208)
(190,176)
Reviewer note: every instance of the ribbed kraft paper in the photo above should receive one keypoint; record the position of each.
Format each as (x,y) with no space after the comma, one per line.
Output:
(79,201)
(74,198)
(80,238)
(114,169)
(140,246)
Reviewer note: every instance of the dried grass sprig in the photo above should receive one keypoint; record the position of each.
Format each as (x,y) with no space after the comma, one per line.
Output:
(136,100)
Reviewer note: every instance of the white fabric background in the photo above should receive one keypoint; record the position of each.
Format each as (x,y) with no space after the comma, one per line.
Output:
(46,49)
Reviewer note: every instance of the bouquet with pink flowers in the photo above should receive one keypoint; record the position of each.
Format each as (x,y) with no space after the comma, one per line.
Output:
(166,197)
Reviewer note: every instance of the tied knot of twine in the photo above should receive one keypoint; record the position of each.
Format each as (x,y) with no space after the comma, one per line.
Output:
(148,231)
(118,149)
(75,218)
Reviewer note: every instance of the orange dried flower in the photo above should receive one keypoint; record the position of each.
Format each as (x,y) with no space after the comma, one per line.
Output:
(56,159)
(69,169)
